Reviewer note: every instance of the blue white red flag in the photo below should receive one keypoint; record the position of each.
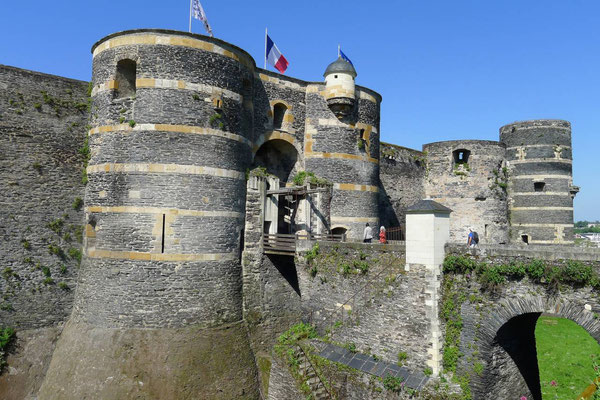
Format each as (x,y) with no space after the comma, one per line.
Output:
(198,13)
(274,56)
(344,57)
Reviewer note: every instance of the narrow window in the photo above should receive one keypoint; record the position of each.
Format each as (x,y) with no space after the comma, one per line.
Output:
(278,113)
(125,78)
(247,93)
(162,250)
(461,156)
(539,186)
(525,239)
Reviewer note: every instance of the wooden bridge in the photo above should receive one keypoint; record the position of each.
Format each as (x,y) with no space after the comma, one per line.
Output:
(285,243)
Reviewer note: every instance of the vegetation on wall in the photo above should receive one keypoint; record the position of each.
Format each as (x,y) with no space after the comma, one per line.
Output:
(493,276)
(7,336)
(303,177)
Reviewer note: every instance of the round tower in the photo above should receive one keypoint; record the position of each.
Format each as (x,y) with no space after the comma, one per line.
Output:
(169,145)
(469,177)
(339,87)
(540,186)
(342,146)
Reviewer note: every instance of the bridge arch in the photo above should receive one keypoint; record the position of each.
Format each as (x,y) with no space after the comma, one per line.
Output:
(507,347)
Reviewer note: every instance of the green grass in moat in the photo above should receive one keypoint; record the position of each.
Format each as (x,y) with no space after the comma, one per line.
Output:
(564,349)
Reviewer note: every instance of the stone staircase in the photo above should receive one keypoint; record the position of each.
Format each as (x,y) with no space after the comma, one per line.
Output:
(309,372)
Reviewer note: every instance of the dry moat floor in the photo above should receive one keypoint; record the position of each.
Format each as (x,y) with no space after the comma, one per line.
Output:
(565,353)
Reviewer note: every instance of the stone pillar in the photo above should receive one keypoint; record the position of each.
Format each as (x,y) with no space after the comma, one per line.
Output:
(427,231)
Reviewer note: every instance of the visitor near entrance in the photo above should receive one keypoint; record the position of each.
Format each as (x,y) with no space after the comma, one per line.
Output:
(368,234)
(382,234)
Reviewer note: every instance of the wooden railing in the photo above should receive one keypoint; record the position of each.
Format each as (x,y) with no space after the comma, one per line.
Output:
(285,243)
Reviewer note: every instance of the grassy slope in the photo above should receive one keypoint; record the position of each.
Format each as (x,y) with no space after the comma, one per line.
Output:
(564,350)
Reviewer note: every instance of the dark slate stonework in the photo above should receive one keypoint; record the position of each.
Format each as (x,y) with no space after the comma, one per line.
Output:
(547,143)
(401,173)
(40,177)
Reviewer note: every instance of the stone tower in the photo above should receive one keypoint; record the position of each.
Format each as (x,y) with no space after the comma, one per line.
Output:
(469,177)
(342,145)
(160,279)
(540,185)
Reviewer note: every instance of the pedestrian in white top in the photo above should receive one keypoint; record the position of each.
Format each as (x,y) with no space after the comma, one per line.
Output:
(368,234)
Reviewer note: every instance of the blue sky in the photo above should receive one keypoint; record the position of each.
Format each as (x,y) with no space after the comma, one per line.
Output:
(446,69)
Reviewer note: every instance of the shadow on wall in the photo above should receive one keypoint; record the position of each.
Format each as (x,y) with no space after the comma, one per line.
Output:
(287,268)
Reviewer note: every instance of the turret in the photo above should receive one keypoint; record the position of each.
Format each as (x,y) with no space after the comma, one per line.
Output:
(339,87)
(540,185)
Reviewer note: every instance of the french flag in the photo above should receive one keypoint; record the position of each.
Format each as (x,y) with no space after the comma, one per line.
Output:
(274,56)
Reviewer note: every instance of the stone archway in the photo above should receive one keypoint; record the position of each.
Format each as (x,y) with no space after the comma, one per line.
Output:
(279,157)
(508,349)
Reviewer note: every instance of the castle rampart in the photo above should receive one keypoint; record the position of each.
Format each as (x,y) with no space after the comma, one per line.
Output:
(468,176)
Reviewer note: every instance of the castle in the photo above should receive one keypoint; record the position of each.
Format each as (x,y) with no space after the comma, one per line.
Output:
(177,121)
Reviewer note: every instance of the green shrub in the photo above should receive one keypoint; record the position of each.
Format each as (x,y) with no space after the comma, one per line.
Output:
(56,250)
(402,356)
(428,371)
(459,264)
(312,254)
(25,244)
(46,271)
(132,123)
(313,271)
(296,333)
(362,266)
(577,272)
(345,269)
(48,281)
(56,225)
(393,383)
(303,176)
(63,286)
(351,346)
(75,254)
(536,269)
(77,203)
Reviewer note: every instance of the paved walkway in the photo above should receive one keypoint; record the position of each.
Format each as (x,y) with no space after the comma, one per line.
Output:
(362,362)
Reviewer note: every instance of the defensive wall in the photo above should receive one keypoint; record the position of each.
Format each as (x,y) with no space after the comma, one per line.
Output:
(42,133)
(171,225)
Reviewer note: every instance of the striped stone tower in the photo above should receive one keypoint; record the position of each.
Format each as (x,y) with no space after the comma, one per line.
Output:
(342,145)
(540,189)
(158,306)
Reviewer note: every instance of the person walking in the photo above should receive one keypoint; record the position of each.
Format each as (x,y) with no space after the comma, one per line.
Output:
(382,238)
(367,234)
(472,239)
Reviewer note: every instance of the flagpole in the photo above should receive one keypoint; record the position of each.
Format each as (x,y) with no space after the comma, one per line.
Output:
(265,48)
(191,16)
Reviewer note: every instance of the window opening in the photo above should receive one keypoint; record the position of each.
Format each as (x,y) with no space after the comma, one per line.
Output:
(539,186)
(278,113)
(162,249)
(525,239)
(461,156)
(126,70)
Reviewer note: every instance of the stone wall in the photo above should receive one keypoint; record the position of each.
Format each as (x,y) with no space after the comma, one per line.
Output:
(474,188)
(164,211)
(540,187)
(498,323)
(401,174)
(346,152)
(43,121)
(382,311)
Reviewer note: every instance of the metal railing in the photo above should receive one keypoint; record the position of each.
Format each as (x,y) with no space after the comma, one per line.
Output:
(395,234)
(285,243)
